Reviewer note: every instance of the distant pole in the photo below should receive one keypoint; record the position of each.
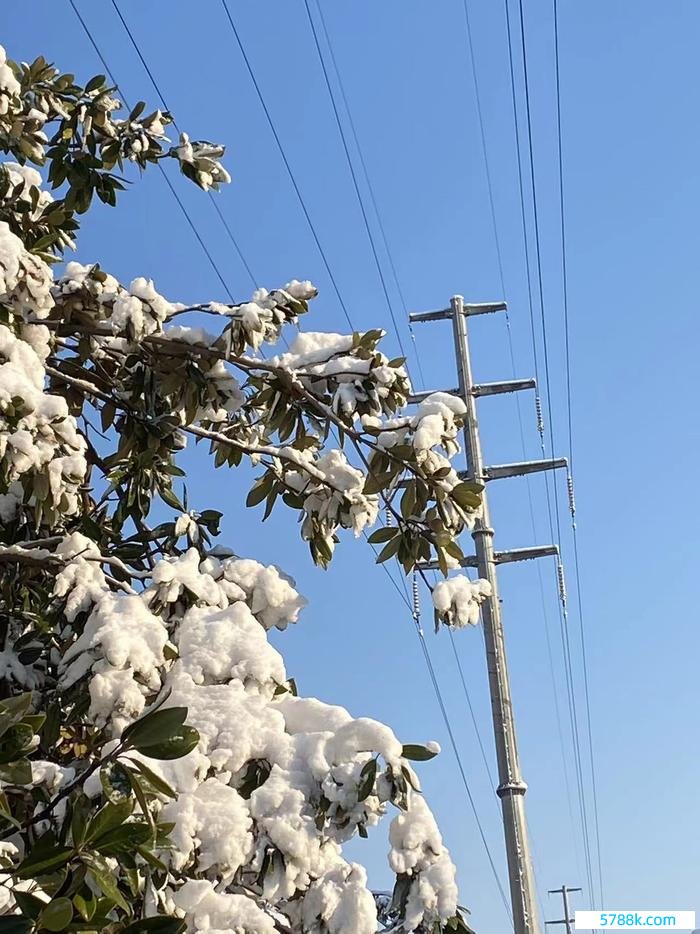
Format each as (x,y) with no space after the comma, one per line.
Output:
(567,919)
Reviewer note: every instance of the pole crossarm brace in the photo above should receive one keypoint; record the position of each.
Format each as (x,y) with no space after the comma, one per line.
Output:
(501,557)
(508,385)
(420,396)
(479,389)
(481,308)
(520,469)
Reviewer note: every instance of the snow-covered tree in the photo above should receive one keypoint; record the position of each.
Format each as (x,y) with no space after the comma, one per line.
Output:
(158,771)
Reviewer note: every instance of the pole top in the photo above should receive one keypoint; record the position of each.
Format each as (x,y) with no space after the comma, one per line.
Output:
(468,308)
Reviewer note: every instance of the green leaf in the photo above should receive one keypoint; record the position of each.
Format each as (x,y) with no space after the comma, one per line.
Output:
(85,907)
(57,915)
(16,773)
(12,709)
(115,781)
(389,550)
(106,819)
(15,925)
(465,496)
(154,727)
(105,880)
(367,777)
(29,905)
(260,490)
(383,535)
(159,784)
(39,861)
(169,497)
(417,752)
(175,747)
(95,83)
(408,500)
(124,838)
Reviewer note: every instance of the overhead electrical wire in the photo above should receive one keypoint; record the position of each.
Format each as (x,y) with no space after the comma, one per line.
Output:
(287,164)
(545,343)
(353,175)
(567,352)
(170,185)
(499,254)
(366,175)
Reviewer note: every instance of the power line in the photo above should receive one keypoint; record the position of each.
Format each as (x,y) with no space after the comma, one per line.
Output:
(160,94)
(545,344)
(494,222)
(174,193)
(353,174)
(567,350)
(370,186)
(287,165)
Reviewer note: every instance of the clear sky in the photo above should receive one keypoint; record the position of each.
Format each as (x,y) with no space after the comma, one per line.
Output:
(631,154)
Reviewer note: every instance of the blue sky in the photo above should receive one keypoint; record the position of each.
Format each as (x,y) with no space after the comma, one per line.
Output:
(631,150)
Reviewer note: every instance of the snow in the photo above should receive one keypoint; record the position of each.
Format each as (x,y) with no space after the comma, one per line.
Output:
(25,280)
(42,439)
(234,726)
(9,85)
(458,599)
(204,158)
(417,850)
(269,593)
(312,347)
(205,909)
(121,640)
(339,903)
(213,825)
(338,501)
(81,580)
(225,644)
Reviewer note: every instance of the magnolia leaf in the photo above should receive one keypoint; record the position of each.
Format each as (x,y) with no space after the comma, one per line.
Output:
(105,881)
(57,915)
(29,905)
(389,550)
(367,778)
(383,535)
(154,727)
(106,819)
(175,747)
(417,752)
(157,783)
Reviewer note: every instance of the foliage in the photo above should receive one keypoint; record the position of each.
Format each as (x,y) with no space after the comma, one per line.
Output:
(156,765)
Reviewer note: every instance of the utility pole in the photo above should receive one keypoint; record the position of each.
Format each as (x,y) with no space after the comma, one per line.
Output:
(511,787)
(567,919)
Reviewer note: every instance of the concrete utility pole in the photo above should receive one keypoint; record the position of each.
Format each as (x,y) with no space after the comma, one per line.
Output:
(511,788)
(567,919)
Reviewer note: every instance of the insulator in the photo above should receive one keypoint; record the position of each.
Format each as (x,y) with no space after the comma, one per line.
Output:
(570,488)
(562,583)
(540,418)
(416,597)
(388,518)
